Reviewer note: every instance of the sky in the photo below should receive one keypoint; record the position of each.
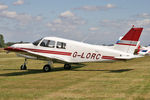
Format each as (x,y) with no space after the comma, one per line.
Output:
(90,21)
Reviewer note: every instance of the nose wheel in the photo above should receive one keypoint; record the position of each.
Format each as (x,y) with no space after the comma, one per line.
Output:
(67,66)
(24,67)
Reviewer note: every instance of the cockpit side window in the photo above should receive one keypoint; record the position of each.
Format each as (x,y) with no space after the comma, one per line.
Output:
(37,42)
(61,45)
(44,43)
(51,43)
(48,43)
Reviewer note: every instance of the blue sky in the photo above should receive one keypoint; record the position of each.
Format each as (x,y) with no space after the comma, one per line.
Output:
(92,21)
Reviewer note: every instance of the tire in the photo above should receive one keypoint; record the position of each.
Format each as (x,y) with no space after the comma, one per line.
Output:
(23,67)
(47,68)
(67,66)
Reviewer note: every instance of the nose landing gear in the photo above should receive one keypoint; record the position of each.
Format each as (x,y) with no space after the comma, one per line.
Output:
(24,67)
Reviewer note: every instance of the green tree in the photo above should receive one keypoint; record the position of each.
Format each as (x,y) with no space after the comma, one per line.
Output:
(2,44)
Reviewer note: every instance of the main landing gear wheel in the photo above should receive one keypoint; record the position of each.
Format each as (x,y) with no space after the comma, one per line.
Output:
(67,66)
(23,67)
(47,68)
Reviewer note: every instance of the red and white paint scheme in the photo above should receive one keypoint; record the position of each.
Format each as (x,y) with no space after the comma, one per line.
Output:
(54,49)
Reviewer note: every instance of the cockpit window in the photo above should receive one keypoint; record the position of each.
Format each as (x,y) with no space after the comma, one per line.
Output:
(48,43)
(37,42)
(61,45)
(44,43)
(51,44)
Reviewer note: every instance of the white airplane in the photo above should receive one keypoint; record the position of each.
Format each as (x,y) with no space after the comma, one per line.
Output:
(54,49)
(144,51)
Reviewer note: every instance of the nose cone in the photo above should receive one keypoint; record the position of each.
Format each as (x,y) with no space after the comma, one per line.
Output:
(7,48)
(12,48)
(18,47)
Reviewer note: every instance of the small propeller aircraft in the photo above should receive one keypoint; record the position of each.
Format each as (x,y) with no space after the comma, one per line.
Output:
(144,51)
(54,49)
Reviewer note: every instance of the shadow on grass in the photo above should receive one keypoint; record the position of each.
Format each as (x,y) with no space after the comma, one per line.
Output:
(37,71)
(120,70)
(109,71)
(74,68)
(26,72)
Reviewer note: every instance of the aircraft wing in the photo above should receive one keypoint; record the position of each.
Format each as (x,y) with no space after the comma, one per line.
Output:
(46,56)
(27,53)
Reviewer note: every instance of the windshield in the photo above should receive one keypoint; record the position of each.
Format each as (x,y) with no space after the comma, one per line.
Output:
(37,42)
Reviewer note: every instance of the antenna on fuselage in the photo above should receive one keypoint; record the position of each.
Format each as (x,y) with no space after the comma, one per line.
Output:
(85,38)
(88,36)
(132,26)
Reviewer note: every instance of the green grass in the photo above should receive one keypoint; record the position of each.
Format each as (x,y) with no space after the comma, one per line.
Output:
(120,80)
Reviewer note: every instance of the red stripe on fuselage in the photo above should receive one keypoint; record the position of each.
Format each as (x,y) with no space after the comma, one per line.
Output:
(39,51)
(108,57)
(13,49)
(49,51)
(126,44)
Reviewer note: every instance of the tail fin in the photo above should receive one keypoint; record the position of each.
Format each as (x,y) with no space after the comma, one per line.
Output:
(129,42)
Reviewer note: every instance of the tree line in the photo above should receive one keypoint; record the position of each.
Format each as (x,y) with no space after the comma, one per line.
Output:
(3,44)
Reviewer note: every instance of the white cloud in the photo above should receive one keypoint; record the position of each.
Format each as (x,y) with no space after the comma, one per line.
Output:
(61,26)
(143,22)
(143,15)
(38,18)
(90,8)
(57,21)
(125,23)
(147,29)
(112,23)
(110,6)
(93,29)
(66,22)
(19,2)
(67,14)
(22,18)
(2,6)
(96,8)
(49,24)
(8,14)
(122,26)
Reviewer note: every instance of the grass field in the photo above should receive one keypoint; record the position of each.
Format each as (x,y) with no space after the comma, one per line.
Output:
(121,80)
